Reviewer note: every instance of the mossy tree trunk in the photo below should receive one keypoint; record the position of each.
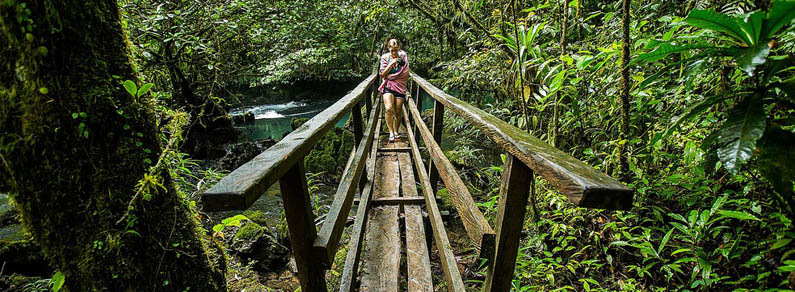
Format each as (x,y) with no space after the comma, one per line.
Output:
(74,146)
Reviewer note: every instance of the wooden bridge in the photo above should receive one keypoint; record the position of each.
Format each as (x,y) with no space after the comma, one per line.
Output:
(391,179)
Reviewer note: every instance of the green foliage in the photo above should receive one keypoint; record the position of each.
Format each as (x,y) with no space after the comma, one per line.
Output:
(57,281)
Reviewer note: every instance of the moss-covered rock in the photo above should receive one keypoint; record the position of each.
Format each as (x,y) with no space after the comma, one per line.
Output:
(24,257)
(330,153)
(253,244)
(256,216)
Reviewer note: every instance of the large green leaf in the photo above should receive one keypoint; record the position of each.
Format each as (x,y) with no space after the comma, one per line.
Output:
(750,57)
(691,112)
(751,25)
(709,19)
(739,133)
(776,158)
(780,14)
(666,49)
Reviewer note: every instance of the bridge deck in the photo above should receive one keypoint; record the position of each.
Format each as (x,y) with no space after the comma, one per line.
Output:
(385,248)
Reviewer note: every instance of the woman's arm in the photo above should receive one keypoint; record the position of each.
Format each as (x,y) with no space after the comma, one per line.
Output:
(404,71)
(385,71)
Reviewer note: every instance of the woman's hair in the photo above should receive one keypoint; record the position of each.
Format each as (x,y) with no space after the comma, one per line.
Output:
(389,40)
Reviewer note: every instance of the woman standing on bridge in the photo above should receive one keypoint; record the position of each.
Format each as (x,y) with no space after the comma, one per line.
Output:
(394,70)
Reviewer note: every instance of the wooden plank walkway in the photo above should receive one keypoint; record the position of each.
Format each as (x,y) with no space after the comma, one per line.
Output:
(383,246)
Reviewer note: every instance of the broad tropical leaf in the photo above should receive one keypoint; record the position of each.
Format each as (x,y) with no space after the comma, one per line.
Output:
(666,49)
(781,13)
(749,58)
(690,113)
(739,133)
(776,159)
(751,25)
(709,19)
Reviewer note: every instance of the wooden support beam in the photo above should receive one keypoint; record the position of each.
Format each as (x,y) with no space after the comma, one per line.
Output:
(347,280)
(438,128)
(514,191)
(325,245)
(358,124)
(446,255)
(476,225)
(368,97)
(300,221)
(239,189)
(419,105)
(580,183)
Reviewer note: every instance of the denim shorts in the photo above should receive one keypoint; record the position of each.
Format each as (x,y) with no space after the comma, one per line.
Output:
(395,93)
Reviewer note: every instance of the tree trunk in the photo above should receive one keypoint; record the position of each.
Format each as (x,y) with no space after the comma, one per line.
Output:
(624,135)
(75,148)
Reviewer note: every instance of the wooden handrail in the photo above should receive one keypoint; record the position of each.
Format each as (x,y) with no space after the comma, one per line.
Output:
(239,189)
(325,245)
(476,225)
(446,255)
(579,182)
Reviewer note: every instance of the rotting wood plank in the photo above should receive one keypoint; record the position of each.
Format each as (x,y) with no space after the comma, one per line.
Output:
(382,240)
(325,246)
(399,201)
(579,182)
(418,262)
(476,225)
(351,267)
(446,255)
(395,149)
(239,189)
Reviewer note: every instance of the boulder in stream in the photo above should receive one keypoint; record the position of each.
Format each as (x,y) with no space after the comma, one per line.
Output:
(254,243)
(239,153)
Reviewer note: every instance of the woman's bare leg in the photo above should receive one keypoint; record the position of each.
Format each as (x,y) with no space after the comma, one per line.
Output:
(398,114)
(389,101)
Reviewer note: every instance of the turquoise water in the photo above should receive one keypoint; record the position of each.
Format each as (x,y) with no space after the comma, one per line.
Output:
(273,120)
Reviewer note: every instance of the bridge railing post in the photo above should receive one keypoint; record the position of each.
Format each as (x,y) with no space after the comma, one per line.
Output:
(368,95)
(298,210)
(438,128)
(418,100)
(358,124)
(514,191)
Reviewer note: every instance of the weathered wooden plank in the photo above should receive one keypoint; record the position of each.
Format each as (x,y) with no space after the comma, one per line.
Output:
(395,149)
(239,189)
(381,268)
(298,211)
(476,225)
(581,183)
(398,201)
(351,267)
(328,238)
(438,128)
(446,255)
(418,262)
(514,191)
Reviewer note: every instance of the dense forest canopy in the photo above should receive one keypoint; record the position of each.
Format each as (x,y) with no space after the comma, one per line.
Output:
(115,117)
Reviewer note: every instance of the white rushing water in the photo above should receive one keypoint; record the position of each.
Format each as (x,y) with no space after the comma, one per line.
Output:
(269,111)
